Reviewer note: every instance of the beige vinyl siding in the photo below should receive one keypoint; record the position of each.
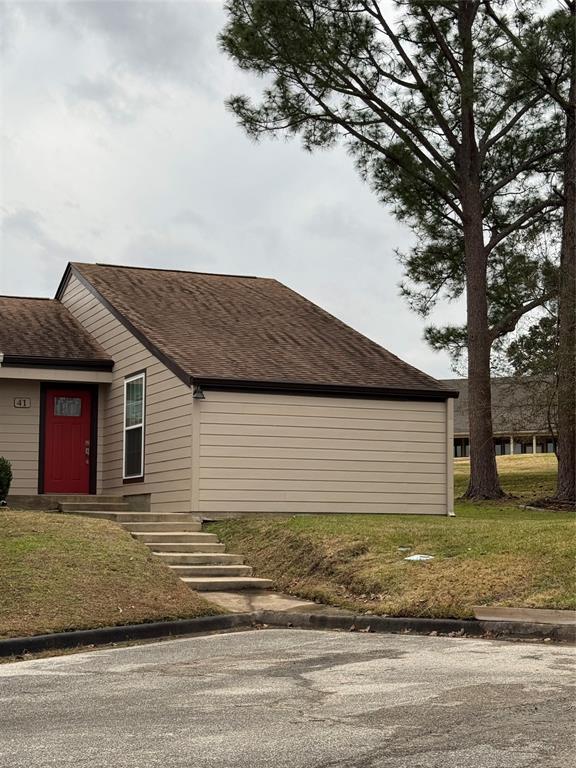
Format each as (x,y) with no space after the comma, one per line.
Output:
(267,453)
(168,423)
(19,434)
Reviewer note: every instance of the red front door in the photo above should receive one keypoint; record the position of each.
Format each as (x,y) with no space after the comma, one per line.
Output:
(67,428)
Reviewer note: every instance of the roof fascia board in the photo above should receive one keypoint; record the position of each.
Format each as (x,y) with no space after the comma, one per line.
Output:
(63,282)
(142,338)
(70,364)
(327,390)
(56,375)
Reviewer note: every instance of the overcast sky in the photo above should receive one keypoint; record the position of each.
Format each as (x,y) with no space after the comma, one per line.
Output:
(117,147)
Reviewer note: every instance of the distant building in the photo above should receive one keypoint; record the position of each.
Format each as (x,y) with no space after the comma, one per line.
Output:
(520,415)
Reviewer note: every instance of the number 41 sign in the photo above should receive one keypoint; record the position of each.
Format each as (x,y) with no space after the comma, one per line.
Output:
(21,402)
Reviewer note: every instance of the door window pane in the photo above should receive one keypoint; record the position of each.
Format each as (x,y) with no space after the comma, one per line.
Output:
(67,406)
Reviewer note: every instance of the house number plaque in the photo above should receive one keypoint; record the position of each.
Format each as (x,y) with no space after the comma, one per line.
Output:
(21,402)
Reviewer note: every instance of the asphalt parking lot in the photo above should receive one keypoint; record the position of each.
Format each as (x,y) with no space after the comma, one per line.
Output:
(290,698)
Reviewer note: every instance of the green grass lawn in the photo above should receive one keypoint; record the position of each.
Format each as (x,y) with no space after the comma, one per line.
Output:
(524,478)
(61,572)
(491,553)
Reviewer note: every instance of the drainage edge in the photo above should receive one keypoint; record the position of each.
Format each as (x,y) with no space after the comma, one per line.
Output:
(500,630)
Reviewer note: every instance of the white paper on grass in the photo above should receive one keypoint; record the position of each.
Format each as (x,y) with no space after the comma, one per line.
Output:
(420,557)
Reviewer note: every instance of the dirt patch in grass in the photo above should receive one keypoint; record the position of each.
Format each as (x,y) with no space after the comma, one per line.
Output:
(491,553)
(64,572)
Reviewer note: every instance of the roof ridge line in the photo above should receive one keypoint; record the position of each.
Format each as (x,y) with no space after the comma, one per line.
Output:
(166,269)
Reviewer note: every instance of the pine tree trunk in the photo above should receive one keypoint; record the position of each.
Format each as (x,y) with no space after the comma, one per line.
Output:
(484,483)
(566,489)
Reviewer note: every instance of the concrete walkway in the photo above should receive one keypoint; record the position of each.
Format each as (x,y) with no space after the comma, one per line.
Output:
(251,600)
(293,699)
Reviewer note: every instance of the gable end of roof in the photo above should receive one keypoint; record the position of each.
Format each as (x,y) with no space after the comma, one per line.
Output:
(142,338)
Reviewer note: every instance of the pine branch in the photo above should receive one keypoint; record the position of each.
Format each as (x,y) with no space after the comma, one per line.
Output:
(545,81)
(442,42)
(389,76)
(518,223)
(394,119)
(487,142)
(508,323)
(530,165)
(348,128)
(430,102)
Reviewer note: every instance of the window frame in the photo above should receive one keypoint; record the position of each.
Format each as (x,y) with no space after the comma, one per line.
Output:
(141,425)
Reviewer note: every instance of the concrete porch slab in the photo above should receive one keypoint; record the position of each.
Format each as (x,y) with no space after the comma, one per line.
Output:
(257,600)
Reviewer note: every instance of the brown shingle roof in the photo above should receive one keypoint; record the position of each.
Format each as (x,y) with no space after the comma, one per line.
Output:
(222,327)
(42,331)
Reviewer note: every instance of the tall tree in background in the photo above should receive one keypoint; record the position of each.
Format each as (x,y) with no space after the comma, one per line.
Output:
(533,360)
(547,59)
(424,99)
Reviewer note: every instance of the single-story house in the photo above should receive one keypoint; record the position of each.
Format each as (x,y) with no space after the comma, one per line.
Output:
(524,416)
(216,394)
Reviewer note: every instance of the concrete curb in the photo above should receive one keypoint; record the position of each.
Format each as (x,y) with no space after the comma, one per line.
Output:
(104,635)
(363,623)
(501,630)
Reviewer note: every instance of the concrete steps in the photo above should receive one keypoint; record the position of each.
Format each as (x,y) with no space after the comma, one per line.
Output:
(198,558)
(211,570)
(158,537)
(95,515)
(158,517)
(183,547)
(89,499)
(168,527)
(226,584)
(83,507)
(177,540)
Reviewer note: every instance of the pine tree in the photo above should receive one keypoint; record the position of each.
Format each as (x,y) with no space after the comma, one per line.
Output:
(546,58)
(429,109)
